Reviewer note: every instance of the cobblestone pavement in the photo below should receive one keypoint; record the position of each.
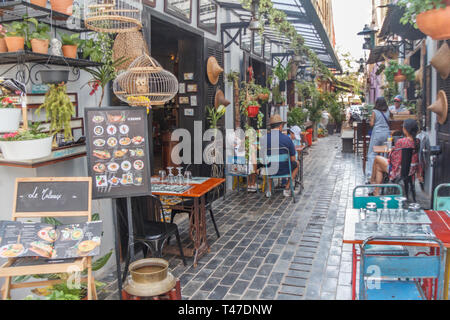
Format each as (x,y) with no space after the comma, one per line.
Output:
(274,248)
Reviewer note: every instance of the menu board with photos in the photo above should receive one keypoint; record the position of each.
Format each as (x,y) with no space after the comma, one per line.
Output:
(118,152)
(30,239)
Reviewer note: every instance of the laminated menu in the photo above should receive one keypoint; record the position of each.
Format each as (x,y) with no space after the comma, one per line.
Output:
(30,239)
(118,153)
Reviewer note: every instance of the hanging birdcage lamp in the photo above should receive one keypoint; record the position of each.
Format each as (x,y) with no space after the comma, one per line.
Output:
(145,83)
(113,16)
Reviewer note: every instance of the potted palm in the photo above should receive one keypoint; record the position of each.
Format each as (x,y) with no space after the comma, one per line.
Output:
(70,44)
(396,72)
(9,115)
(16,35)
(430,16)
(40,38)
(28,144)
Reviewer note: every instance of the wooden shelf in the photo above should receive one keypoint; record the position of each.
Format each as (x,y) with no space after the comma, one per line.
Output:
(58,155)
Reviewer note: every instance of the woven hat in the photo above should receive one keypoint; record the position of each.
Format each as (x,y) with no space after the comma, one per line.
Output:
(130,45)
(440,107)
(213,70)
(441,61)
(276,119)
(220,99)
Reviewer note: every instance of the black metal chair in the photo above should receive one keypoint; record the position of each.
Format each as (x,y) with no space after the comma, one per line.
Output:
(152,233)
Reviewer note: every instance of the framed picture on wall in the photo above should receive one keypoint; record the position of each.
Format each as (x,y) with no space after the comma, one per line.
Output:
(181,9)
(191,88)
(188,76)
(193,101)
(184,100)
(207,15)
(151,3)
(182,88)
(189,112)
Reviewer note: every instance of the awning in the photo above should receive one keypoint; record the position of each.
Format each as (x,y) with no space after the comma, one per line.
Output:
(379,53)
(303,16)
(392,26)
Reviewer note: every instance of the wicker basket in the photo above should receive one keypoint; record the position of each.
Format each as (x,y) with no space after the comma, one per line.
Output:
(129,45)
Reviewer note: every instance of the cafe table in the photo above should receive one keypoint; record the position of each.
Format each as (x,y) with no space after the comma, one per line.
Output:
(381,149)
(439,224)
(197,223)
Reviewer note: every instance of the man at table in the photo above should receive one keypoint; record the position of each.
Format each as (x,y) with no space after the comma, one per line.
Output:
(398,108)
(279,141)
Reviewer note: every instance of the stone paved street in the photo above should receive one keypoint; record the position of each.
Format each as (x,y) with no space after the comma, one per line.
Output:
(274,248)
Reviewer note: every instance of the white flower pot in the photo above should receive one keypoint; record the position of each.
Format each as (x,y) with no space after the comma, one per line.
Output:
(10,119)
(26,150)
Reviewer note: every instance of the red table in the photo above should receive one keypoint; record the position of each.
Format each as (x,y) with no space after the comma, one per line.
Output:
(440,224)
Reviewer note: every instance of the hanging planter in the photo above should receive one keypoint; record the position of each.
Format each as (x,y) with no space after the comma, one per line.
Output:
(252,111)
(398,73)
(399,77)
(54,76)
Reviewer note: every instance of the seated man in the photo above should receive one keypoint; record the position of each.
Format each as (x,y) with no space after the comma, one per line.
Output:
(281,141)
(382,165)
(398,108)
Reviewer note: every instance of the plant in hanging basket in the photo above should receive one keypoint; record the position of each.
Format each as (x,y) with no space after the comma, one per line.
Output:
(399,72)
(40,38)
(430,16)
(251,108)
(264,95)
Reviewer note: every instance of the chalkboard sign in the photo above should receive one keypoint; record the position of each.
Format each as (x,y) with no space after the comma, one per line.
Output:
(52,195)
(117,151)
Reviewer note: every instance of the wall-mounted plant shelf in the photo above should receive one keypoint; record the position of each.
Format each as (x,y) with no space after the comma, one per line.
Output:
(25,56)
(15,10)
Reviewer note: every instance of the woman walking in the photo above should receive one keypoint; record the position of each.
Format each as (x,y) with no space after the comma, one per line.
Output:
(380,132)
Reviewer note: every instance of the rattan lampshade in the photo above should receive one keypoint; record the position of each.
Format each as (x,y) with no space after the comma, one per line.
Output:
(113,16)
(145,83)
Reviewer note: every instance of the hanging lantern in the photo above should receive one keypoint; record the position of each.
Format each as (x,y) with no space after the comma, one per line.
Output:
(113,16)
(145,83)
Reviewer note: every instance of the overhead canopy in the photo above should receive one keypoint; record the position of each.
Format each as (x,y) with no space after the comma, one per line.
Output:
(303,16)
(392,26)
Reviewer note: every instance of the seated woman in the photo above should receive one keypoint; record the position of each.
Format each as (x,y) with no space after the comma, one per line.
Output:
(382,165)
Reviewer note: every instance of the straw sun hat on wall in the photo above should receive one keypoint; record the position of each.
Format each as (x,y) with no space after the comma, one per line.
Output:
(213,69)
(440,107)
(220,99)
(441,61)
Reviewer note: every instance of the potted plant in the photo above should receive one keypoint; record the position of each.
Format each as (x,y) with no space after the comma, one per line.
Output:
(264,95)
(91,49)
(3,47)
(281,73)
(251,108)
(9,115)
(214,115)
(40,38)
(430,16)
(62,6)
(296,117)
(70,44)
(40,3)
(59,110)
(396,72)
(26,144)
(16,35)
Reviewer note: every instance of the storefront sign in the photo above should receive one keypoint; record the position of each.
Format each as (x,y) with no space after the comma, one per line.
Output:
(118,152)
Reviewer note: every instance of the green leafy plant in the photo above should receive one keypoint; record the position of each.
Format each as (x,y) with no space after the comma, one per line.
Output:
(415,7)
(17,29)
(105,73)
(59,110)
(394,67)
(296,117)
(280,71)
(233,76)
(41,30)
(70,39)
(214,115)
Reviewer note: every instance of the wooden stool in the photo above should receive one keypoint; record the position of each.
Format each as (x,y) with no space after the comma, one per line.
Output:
(173,294)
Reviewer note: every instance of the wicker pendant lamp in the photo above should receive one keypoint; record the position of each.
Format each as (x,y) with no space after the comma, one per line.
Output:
(145,83)
(113,16)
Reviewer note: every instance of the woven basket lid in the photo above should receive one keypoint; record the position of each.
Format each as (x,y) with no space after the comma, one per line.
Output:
(213,70)
(129,45)
(220,99)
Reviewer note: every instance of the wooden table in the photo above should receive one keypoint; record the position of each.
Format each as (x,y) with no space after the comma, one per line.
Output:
(197,220)
(440,224)
(381,149)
